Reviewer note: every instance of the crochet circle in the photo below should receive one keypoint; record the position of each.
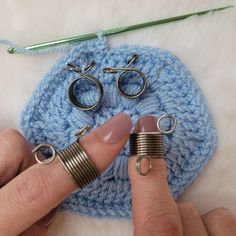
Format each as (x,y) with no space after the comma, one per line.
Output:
(50,118)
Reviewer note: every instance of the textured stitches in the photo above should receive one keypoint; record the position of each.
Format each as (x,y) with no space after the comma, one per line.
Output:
(49,117)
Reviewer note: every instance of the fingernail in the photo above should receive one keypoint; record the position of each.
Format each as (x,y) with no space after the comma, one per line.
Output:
(48,219)
(115,129)
(146,124)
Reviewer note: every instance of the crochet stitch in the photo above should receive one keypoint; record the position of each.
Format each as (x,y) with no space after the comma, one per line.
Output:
(50,118)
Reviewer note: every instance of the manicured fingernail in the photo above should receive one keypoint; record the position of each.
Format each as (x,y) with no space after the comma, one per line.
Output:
(115,129)
(48,219)
(146,124)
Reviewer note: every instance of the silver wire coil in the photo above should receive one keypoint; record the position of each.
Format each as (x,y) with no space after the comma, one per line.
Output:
(76,162)
(148,144)
(74,159)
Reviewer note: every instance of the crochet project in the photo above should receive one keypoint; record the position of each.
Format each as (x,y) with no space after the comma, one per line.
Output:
(49,117)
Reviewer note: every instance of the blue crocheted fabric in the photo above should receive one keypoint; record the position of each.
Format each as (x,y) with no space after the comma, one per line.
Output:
(50,118)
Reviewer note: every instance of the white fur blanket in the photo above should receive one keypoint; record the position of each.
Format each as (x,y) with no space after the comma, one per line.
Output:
(207,45)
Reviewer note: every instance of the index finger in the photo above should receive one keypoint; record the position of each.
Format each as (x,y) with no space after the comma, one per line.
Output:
(38,189)
(154,209)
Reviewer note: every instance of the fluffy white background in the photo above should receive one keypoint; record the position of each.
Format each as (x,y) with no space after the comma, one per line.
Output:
(207,45)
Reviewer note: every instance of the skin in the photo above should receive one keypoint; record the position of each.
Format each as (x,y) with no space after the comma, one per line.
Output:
(28,193)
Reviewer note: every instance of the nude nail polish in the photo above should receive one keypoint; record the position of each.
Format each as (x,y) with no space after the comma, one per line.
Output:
(146,123)
(115,129)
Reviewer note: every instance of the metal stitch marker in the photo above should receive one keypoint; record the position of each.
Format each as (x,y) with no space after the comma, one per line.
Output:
(148,145)
(125,70)
(74,159)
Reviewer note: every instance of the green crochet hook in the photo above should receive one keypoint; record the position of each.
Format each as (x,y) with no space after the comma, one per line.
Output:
(112,31)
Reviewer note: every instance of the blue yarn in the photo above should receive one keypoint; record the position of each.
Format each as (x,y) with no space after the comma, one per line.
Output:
(49,117)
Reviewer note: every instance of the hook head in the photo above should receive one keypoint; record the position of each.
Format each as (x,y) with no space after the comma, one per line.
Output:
(11,50)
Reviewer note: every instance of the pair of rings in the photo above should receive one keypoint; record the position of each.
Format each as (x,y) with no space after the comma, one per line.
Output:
(123,71)
(76,161)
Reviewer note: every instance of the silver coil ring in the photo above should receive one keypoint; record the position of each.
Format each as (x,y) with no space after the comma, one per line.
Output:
(74,159)
(84,75)
(122,71)
(77,163)
(147,144)
(75,101)
(119,83)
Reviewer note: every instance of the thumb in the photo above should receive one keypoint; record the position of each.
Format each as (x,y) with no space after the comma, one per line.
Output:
(154,209)
(40,188)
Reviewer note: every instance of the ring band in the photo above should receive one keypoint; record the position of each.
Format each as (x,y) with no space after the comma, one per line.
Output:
(124,70)
(76,102)
(78,165)
(147,144)
(119,83)
(74,159)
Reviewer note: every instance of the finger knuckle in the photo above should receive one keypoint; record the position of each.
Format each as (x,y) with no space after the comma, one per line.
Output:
(10,133)
(31,189)
(221,213)
(222,216)
(188,208)
(15,147)
(164,224)
(12,139)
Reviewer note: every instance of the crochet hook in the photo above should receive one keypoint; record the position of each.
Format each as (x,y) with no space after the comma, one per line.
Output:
(110,32)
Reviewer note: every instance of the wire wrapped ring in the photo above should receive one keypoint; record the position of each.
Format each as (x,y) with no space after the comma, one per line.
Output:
(74,159)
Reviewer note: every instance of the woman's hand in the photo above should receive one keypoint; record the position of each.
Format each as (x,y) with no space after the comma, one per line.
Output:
(29,191)
(155,212)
